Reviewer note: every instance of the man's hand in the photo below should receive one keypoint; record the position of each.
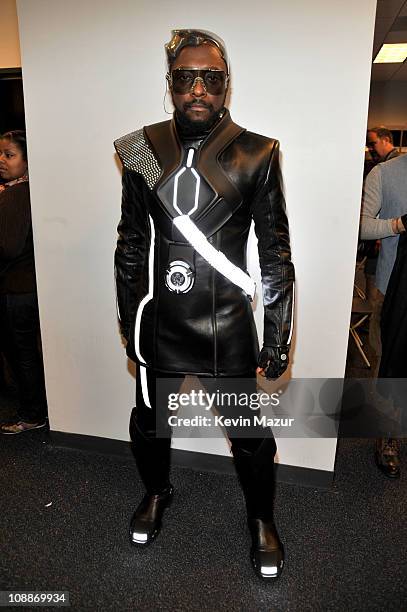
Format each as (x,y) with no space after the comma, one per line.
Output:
(398,225)
(273,361)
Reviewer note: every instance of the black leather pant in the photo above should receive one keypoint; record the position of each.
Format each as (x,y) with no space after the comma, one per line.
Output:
(253,456)
(19,341)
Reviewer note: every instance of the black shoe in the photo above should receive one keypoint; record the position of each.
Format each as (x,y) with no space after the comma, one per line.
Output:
(145,523)
(387,457)
(267,552)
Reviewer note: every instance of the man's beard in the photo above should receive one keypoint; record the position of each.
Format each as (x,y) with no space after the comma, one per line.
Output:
(198,127)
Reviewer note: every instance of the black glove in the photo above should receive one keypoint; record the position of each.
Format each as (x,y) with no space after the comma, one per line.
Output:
(273,360)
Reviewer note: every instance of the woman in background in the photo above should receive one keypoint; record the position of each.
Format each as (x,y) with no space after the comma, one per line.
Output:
(19,318)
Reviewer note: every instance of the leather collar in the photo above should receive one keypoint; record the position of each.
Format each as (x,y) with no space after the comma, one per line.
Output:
(165,143)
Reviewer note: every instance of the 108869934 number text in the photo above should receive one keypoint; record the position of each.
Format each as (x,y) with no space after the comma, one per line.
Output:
(34,598)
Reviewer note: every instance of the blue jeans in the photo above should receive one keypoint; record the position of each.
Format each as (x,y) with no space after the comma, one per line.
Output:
(19,341)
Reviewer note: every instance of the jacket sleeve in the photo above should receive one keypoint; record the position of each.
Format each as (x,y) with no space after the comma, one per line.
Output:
(372,228)
(277,270)
(131,257)
(15,221)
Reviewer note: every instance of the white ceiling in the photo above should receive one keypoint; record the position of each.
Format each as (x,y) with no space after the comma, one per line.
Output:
(391,27)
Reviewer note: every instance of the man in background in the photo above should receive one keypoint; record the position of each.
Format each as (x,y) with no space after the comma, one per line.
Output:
(384,202)
(380,144)
(379,141)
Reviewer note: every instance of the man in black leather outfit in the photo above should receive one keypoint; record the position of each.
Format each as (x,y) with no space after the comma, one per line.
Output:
(191,188)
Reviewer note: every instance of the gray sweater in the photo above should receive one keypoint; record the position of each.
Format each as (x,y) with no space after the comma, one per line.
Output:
(384,198)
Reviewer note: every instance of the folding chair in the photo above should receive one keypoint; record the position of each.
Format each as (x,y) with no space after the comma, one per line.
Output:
(362,309)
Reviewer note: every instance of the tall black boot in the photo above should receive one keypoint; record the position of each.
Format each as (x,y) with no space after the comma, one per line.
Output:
(146,521)
(255,469)
(152,456)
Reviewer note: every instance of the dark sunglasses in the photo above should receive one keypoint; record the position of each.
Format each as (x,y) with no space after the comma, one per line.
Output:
(183,81)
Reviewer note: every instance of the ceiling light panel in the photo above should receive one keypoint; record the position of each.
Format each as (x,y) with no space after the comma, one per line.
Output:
(391,54)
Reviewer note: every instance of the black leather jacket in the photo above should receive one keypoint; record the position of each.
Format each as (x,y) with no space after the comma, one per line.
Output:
(210,329)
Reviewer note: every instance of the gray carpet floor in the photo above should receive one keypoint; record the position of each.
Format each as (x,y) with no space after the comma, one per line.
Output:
(64,517)
(65,513)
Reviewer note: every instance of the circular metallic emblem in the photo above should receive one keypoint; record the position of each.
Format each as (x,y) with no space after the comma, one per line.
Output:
(179,277)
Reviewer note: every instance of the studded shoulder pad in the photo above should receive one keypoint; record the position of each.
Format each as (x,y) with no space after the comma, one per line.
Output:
(135,154)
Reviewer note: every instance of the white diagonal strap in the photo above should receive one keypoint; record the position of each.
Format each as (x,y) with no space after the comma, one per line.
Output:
(215,258)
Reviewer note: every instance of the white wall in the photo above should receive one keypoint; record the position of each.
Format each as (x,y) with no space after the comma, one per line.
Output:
(9,40)
(93,71)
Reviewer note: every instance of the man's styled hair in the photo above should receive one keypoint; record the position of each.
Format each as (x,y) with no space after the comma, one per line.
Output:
(193,38)
(382,132)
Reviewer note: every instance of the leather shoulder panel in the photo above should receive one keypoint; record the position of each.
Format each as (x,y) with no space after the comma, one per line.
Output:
(248,161)
(257,144)
(135,154)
